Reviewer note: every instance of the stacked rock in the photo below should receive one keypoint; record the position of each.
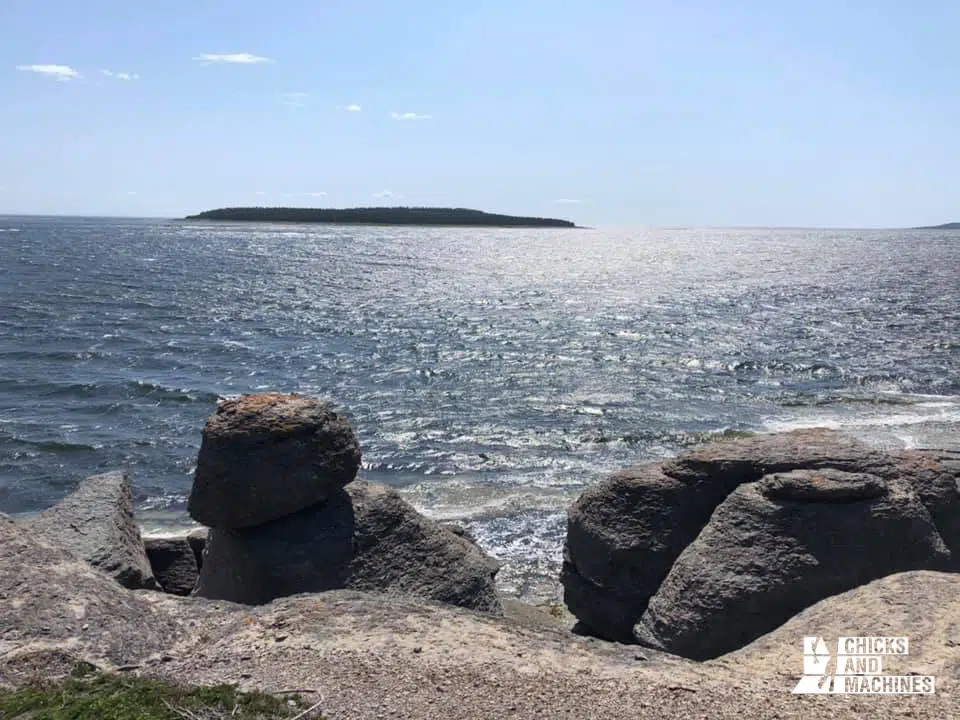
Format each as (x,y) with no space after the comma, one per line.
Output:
(275,482)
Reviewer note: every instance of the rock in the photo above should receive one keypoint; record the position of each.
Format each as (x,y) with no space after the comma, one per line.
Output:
(935,481)
(198,542)
(96,522)
(625,532)
(922,604)
(777,546)
(263,457)
(51,598)
(174,564)
(459,530)
(623,535)
(364,537)
(729,463)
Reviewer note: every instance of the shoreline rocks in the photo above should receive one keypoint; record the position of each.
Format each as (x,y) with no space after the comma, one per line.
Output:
(373,656)
(366,537)
(776,547)
(96,522)
(275,483)
(696,557)
(623,535)
(665,554)
(174,563)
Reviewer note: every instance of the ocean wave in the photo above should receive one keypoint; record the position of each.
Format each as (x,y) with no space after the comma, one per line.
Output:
(47,446)
(822,400)
(463,498)
(129,390)
(772,367)
(56,355)
(946,413)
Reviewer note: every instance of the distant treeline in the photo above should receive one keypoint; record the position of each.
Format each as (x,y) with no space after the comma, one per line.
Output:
(379,216)
(945,226)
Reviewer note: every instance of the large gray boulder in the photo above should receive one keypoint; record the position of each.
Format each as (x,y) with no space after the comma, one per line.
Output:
(96,523)
(777,546)
(263,457)
(623,535)
(364,537)
(625,532)
(174,563)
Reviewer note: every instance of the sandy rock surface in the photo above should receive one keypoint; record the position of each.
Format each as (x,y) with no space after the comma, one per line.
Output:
(372,656)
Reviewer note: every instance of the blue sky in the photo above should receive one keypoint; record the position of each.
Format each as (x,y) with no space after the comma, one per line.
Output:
(608,112)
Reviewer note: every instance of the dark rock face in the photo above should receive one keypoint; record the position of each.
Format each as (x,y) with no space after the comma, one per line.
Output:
(267,456)
(777,546)
(625,533)
(96,523)
(364,537)
(198,543)
(937,483)
(174,564)
(622,537)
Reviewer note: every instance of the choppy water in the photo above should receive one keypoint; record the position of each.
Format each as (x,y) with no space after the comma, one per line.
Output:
(491,374)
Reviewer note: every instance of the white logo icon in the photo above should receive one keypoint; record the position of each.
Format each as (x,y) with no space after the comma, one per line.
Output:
(858,668)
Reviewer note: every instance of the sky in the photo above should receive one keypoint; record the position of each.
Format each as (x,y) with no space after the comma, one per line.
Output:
(839,113)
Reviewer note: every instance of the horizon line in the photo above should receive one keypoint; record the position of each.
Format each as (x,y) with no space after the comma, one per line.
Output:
(591,227)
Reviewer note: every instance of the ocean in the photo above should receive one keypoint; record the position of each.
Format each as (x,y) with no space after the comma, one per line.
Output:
(491,374)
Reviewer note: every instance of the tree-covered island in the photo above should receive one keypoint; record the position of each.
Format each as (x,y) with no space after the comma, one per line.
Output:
(450,217)
(945,226)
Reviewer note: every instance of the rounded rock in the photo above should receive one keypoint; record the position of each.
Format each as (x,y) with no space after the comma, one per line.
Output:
(264,457)
(822,486)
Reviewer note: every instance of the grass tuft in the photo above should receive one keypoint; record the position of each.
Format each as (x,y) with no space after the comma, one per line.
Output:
(87,695)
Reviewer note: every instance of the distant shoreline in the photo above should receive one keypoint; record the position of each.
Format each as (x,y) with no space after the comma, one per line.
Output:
(428,216)
(945,226)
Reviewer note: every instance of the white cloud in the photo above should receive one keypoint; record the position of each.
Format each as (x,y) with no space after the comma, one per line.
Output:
(567,201)
(120,75)
(60,72)
(293,99)
(316,194)
(409,116)
(386,194)
(131,192)
(232,58)
(354,108)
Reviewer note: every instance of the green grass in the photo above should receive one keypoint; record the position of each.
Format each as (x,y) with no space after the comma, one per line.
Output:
(91,696)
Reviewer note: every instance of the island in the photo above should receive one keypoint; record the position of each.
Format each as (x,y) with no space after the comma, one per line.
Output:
(449,217)
(945,226)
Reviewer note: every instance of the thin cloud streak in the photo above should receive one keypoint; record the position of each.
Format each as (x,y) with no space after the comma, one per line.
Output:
(293,99)
(410,116)
(120,75)
(231,59)
(60,72)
